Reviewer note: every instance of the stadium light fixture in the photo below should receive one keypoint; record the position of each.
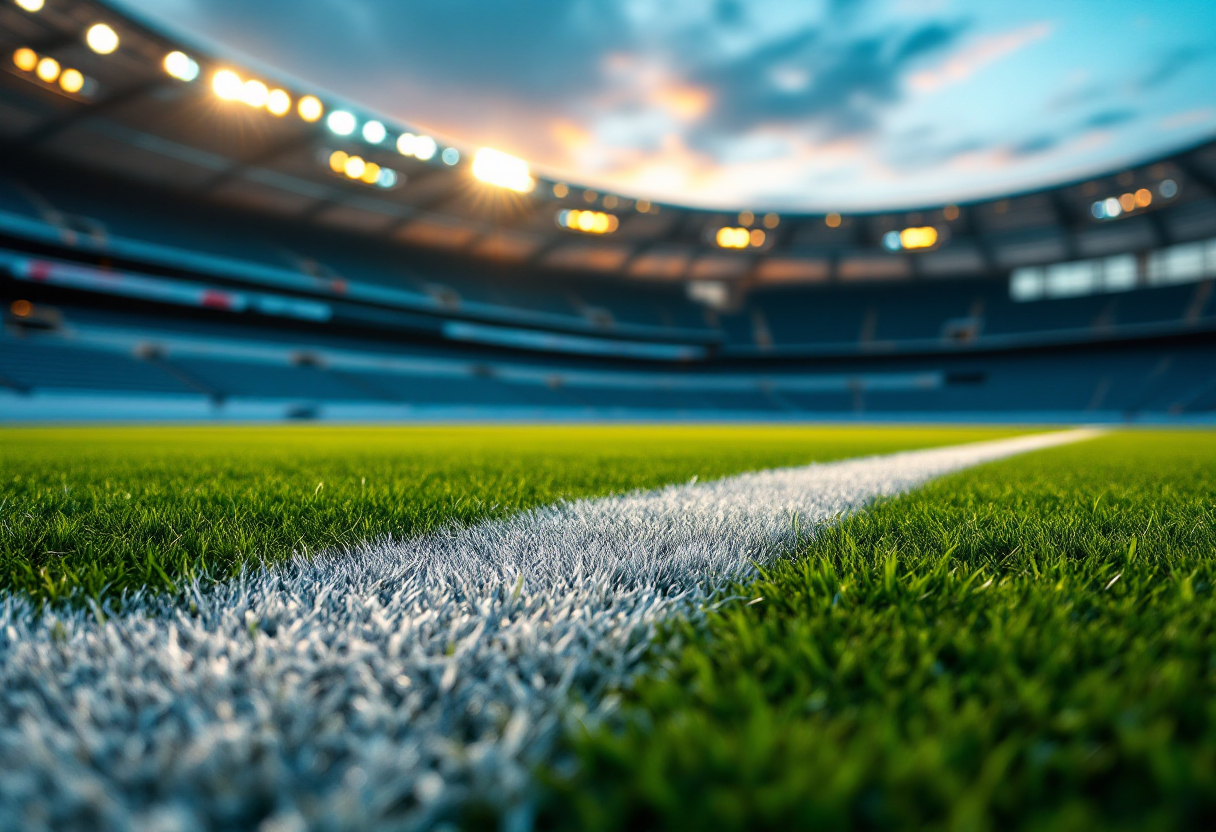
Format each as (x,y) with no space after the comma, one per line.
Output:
(31,6)
(371,173)
(25,59)
(588,222)
(611,201)
(1112,207)
(503,170)
(832,220)
(387,178)
(71,81)
(746,218)
(310,108)
(101,39)
(337,161)
(181,66)
(450,156)
(341,123)
(736,238)
(771,221)
(227,85)
(643,206)
(355,166)
(48,70)
(255,94)
(914,238)
(425,148)
(561,190)
(374,132)
(1168,188)
(278,102)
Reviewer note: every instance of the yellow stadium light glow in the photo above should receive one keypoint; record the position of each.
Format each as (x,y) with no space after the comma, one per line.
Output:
(25,59)
(278,102)
(733,237)
(181,66)
(371,173)
(1144,197)
(589,222)
(643,206)
(71,80)
(503,170)
(771,220)
(255,94)
(757,237)
(310,108)
(337,161)
(925,237)
(561,190)
(227,85)
(832,220)
(48,69)
(355,166)
(1128,202)
(31,5)
(405,144)
(101,39)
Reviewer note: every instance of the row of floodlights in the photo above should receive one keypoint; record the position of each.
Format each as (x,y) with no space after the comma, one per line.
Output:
(911,238)
(48,70)
(361,170)
(588,222)
(739,238)
(1116,206)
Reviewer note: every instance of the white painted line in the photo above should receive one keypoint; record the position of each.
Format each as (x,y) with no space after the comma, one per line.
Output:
(380,688)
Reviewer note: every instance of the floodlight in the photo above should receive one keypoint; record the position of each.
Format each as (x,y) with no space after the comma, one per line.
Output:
(48,69)
(31,5)
(25,59)
(310,108)
(374,132)
(227,85)
(181,66)
(71,81)
(341,122)
(425,148)
(497,168)
(255,93)
(101,39)
(278,102)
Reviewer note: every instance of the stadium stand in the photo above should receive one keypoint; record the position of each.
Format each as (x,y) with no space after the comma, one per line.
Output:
(160,260)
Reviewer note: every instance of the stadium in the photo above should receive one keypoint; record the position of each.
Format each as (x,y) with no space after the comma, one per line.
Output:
(597,510)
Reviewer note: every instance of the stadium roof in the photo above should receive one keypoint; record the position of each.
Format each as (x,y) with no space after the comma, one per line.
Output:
(791,105)
(85,85)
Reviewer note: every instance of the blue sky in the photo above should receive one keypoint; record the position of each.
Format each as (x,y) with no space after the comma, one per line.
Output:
(768,104)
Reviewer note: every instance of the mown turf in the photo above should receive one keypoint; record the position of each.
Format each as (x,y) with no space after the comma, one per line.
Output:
(1028,645)
(96,512)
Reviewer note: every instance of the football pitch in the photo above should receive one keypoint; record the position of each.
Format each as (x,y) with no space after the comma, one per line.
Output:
(402,628)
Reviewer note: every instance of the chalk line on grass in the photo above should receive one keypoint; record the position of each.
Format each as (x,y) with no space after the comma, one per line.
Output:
(385,686)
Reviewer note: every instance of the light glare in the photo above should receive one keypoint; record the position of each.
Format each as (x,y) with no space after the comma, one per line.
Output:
(25,59)
(101,39)
(48,69)
(227,85)
(341,122)
(503,170)
(255,94)
(310,108)
(425,148)
(355,167)
(278,102)
(925,237)
(181,66)
(71,81)
(374,132)
(31,5)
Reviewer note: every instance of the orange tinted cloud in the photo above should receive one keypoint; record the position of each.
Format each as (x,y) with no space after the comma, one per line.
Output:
(970,60)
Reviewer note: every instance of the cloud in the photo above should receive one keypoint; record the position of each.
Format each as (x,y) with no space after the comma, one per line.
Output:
(984,51)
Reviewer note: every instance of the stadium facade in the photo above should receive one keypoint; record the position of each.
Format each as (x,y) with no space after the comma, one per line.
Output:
(182,239)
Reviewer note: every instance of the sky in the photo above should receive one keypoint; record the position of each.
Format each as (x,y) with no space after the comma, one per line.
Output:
(794,105)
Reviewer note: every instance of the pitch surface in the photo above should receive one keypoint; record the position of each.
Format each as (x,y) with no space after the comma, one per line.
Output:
(388,685)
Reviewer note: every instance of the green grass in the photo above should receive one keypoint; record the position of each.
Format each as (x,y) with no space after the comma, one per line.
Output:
(96,512)
(1027,645)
